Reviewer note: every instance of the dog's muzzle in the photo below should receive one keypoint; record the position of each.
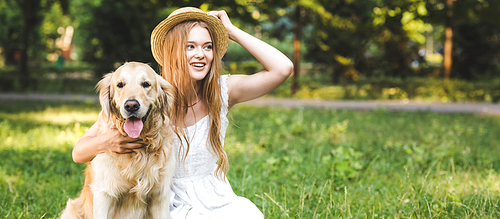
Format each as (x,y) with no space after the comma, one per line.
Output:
(133,125)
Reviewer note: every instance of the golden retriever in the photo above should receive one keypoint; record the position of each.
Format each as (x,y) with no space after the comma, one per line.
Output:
(136,185)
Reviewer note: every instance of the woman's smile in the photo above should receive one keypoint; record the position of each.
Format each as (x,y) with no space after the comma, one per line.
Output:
(199,66)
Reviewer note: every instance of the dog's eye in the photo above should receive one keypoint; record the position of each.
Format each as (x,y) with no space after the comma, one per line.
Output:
(146,84)
(120,85)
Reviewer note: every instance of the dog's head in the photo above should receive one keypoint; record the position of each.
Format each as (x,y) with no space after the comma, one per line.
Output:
(134,95)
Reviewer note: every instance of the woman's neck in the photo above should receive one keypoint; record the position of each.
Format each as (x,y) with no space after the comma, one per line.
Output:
(194,97)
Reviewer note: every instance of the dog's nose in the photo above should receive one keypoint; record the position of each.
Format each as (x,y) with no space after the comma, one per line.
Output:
(132,105)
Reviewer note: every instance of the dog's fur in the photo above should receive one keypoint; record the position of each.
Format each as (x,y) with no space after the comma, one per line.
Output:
(133,185)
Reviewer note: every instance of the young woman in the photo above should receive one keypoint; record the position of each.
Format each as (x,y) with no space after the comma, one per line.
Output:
(189,46)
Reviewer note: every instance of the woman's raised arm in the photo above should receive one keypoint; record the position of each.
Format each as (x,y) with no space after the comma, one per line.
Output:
(277,66)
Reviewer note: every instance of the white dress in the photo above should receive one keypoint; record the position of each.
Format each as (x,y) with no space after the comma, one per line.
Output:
(196,192)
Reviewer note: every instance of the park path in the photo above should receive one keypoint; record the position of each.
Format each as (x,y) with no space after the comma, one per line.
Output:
(396,105)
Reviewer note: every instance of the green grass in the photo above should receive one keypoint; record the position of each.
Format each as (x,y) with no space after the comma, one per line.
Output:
(292,163)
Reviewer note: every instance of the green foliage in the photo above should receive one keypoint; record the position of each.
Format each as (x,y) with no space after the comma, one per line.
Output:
(11,19)
(355,39)
(428,89)
(239,61)
(118,31)
(75,78)
(344,160)
(292,163)
(477,50)
(475,36)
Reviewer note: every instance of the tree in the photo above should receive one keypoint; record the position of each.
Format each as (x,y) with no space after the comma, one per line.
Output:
(474,34)
(297,12)
(31,18)
(11,19)
(21,36)
(448,43)
(117,31)
(296,48)
(342,33)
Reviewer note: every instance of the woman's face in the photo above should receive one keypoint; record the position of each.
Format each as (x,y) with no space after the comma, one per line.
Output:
(199,52)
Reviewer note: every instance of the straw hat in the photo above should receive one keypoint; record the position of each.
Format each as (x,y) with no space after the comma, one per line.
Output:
(184,14)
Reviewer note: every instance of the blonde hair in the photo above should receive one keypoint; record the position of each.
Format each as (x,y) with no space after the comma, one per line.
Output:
(175,70)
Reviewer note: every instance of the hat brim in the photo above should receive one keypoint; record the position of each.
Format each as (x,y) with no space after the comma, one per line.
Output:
(184,14)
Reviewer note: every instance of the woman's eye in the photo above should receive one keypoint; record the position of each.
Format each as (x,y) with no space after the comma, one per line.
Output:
(146,84)
(120,85)
(189,47)
(208,47)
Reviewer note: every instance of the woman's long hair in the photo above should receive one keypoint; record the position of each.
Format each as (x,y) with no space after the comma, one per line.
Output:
(176,71)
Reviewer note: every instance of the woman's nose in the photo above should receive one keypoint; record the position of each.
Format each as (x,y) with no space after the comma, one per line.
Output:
(199,53)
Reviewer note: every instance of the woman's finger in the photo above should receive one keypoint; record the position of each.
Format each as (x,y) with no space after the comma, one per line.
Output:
(213,13)
(222,16)
(124,151)
(133,145)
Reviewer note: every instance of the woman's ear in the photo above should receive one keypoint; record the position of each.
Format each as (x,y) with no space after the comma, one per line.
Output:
(105,94)
(165,96)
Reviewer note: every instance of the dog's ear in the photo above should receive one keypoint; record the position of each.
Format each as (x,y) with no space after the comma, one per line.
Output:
(165,95)
(105,94)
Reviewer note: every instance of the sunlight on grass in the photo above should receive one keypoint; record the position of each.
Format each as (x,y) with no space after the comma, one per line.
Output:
(52,127)
(41,136)
(308,163)
(53,116)
(292,163)
(248,148)
(436,195)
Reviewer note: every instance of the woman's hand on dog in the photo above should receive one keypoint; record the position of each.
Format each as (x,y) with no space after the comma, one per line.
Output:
(118,143)
(91,144)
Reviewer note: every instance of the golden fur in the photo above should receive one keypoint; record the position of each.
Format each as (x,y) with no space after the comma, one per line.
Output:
(134,185)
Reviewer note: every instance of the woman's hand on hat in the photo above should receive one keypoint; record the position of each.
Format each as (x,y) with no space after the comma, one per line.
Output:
(224,18)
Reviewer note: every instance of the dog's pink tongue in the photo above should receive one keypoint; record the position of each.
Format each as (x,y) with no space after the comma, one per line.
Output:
(133,127)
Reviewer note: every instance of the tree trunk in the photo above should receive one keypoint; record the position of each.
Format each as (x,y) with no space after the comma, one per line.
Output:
(24,75)
(30,10)
(296,50)
(448,43)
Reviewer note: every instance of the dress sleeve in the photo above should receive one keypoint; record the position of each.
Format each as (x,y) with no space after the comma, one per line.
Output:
(224,94)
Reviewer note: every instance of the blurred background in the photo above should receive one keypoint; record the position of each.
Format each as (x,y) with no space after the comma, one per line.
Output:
(431,50)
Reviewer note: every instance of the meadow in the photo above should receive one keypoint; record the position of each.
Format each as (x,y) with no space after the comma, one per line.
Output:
(292,163)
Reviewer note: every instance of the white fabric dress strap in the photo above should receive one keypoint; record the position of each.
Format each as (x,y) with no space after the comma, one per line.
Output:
(225,96)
